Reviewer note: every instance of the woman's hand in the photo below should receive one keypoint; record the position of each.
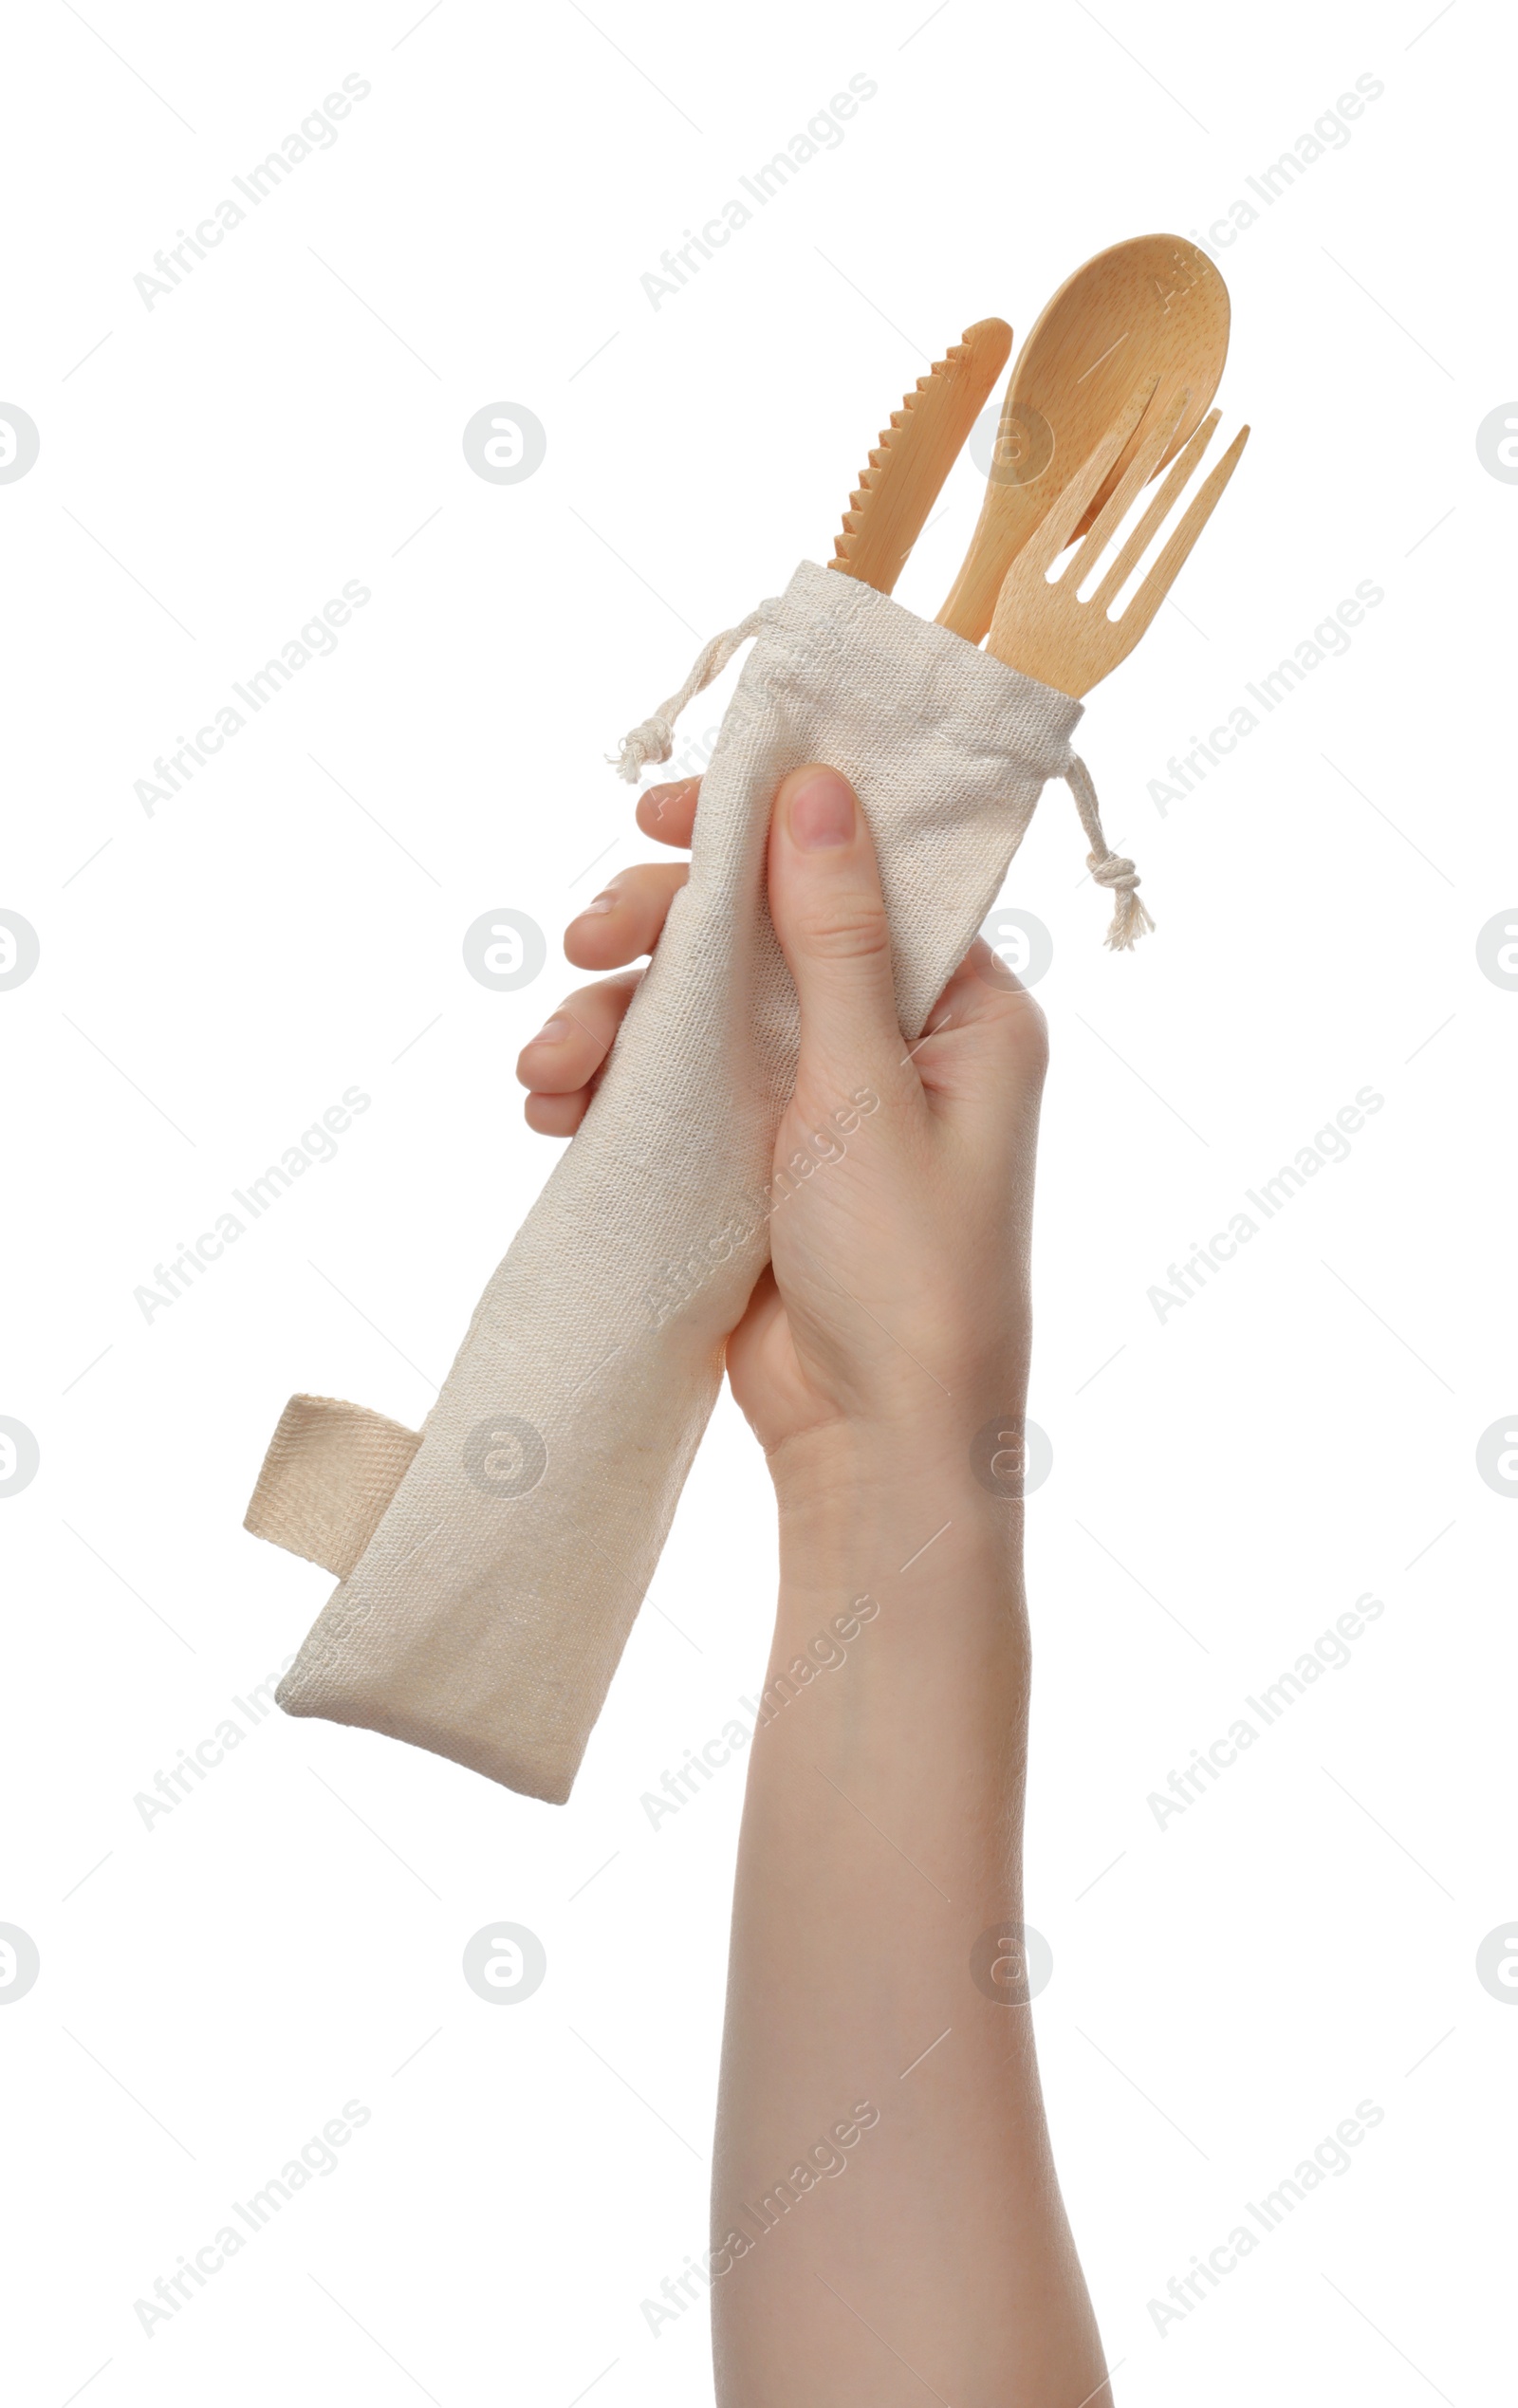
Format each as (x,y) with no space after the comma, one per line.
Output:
(880,1849)
(903,1174)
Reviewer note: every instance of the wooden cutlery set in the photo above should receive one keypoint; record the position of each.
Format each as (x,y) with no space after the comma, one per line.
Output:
(1113,385)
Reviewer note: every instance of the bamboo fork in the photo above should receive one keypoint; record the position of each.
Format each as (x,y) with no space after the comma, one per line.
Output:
(1047,630)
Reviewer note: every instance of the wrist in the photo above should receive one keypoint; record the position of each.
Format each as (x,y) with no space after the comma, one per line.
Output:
(967,1451)
(869,1508)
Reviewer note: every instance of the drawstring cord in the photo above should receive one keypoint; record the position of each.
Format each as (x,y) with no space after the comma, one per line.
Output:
(1130,920)
(654,741)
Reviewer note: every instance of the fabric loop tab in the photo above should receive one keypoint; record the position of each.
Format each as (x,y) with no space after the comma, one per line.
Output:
(327,1480)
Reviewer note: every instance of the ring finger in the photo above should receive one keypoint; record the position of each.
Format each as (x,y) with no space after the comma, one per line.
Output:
(562,1064)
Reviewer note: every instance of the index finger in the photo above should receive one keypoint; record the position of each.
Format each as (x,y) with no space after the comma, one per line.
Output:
(668,812)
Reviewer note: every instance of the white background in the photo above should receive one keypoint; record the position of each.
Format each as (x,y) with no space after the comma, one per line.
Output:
(1226,1483)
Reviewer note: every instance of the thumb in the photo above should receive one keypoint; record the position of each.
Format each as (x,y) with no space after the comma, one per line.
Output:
(830,916)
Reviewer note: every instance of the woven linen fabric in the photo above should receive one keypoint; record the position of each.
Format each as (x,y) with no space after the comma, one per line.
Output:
(487,1613)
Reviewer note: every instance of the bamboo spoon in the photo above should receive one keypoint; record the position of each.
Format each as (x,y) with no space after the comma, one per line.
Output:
(1047,630)
(1152,307)
(915,453)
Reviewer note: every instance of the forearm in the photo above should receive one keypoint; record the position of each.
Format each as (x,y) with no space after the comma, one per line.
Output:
(886,2220)
(881,1841)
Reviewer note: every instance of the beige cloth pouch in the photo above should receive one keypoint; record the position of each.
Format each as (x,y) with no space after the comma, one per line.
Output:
(492,1568)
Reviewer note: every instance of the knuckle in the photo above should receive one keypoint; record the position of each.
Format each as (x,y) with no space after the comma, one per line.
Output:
(845,928)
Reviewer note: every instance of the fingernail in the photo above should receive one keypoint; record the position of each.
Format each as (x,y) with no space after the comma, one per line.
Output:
(552,1032)
(821,812)
(606,902)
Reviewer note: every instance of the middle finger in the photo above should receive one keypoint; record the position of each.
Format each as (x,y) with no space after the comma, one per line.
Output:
(625,920)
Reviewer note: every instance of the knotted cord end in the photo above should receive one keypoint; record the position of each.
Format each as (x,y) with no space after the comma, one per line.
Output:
(653,742)
(1130,919)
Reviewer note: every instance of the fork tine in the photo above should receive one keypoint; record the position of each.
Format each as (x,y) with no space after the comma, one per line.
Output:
(1145,460)
(1163,574)
(1133,550)
(1075,501)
